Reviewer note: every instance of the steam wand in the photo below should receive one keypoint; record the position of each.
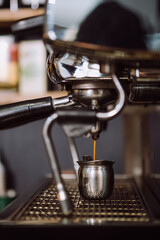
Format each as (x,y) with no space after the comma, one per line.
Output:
(62,193)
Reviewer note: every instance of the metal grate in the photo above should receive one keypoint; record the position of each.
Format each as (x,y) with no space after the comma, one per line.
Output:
(125,205)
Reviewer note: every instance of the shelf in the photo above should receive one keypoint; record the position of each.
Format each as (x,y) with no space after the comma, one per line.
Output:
(7,17)
(10,97)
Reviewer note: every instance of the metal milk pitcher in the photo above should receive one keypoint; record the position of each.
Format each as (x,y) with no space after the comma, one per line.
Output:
(95,178)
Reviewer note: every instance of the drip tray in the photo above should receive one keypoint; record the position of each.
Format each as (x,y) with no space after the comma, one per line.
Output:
(125,205)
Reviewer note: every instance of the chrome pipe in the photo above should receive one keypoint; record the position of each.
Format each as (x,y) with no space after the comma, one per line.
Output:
(62,195)
(120,102)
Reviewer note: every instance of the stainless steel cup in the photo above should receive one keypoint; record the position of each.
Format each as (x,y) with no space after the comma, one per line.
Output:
(95,179)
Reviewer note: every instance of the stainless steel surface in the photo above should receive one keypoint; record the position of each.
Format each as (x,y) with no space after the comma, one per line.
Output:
(97,75)
(64,30)
(75,62)
(124,206)
(103,53)
(119,103)
(94,98)
(69,68)
(138,155)
(142,75)
(53,160)
(95,179)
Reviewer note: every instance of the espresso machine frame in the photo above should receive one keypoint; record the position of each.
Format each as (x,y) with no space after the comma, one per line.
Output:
(54,208)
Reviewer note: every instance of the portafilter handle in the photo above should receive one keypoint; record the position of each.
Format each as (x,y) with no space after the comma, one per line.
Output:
(15,114)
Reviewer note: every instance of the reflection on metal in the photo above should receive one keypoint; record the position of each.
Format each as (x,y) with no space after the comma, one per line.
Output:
(95,179)
(119,104)
(103,53)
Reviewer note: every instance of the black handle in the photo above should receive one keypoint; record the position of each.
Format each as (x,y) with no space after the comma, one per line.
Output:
(15,114)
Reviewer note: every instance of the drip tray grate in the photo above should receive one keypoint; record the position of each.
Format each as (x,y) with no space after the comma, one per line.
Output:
(125,205)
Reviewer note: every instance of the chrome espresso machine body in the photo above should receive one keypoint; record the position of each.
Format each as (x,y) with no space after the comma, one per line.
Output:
(101,80)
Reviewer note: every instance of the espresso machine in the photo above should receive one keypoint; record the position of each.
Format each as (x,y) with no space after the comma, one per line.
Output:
(101,82)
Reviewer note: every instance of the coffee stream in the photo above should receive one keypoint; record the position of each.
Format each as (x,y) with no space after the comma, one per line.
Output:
(94,150)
